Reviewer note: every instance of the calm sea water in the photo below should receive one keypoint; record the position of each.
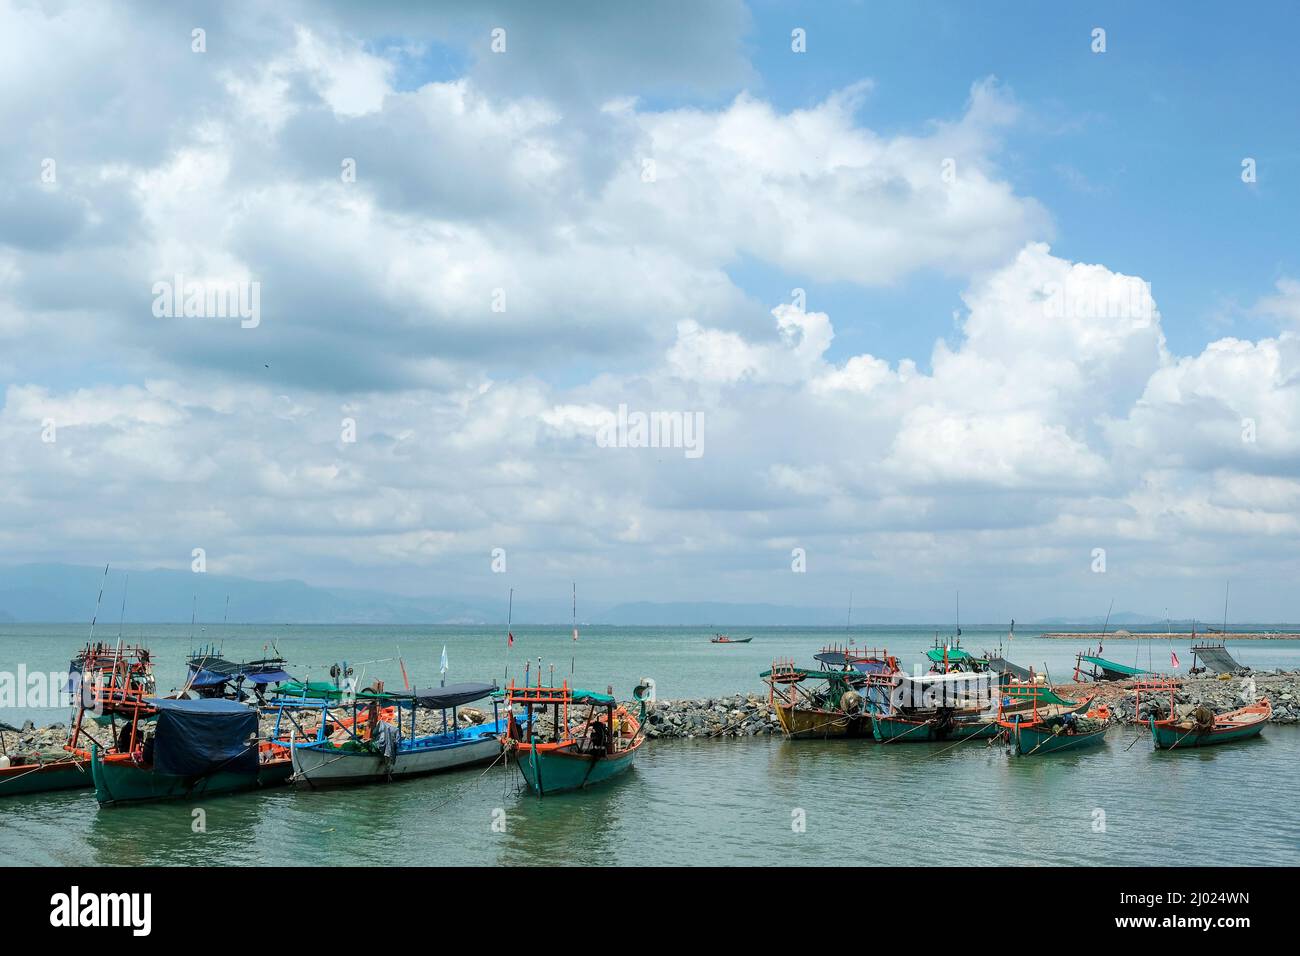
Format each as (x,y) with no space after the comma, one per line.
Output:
(753,801)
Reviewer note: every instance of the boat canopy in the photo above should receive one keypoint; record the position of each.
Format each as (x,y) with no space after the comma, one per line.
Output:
(1216,658)
(936,654)
(1112,666)
(195,738)
(957,689)
(452,695)
(873,667)
(214,671)
(1003,666)
(581,696)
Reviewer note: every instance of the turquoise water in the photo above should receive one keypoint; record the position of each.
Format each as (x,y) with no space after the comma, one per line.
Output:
(693,801)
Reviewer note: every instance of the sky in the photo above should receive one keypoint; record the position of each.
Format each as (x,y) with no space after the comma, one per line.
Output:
(1000,299)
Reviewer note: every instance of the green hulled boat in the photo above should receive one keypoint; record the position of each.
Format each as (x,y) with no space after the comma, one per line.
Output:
(39,773)
(894,729)
(603,748)
(1054,735)
(198,748)
(1226,728)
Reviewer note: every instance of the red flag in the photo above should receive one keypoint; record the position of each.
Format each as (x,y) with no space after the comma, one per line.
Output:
(1174,658)
(405,682)
(510,639)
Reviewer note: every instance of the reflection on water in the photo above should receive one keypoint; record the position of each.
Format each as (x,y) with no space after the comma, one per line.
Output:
(734,801)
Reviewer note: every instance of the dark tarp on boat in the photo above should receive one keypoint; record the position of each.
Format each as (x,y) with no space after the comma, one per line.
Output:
(1001,665)
(1216,658)
(453,695)
(832,658)
(214,671)
(195,738)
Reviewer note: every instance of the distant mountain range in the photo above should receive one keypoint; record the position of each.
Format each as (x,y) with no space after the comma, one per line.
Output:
(63,593)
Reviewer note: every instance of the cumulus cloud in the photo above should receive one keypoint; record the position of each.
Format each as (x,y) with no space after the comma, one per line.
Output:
(531,243)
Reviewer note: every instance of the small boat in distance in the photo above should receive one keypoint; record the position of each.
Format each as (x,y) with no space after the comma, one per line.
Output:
(604,746)
(724,639)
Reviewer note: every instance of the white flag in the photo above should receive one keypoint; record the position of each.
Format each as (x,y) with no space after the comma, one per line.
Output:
(443,669)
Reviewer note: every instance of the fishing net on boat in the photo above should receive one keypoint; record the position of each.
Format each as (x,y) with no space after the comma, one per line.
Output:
(1217,659)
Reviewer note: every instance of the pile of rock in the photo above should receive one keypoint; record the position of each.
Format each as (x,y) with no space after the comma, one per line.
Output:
(743,715)
(1282,688)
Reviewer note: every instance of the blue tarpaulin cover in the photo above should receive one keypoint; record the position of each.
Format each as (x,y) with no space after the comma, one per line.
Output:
(195,738)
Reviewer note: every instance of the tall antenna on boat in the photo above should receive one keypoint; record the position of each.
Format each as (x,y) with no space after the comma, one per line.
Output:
(510,636)
(957,619)
(97,602)
(575,612)
(122,618)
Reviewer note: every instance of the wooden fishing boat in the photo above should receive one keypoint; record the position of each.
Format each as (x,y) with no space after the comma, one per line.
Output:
(196,748)
(938,727)
(818,704)
(379,749)
(1205,729)
(1090,666)
(106,682)
(956,706)
(211,675)
(1052,728)
(603,747)
(724,639)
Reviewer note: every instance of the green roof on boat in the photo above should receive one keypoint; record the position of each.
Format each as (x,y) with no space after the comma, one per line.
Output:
(954,654)
(581,696)
(1112,666)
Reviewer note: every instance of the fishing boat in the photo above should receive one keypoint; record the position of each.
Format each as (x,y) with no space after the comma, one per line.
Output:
(211,675)
(1204,728)
(831,701)
(1050,728)
(603,746)
(106,682)
(195,748)
(948,656)
(724,639)
(387,746)
(1092,667)
(956,706)
(24,773)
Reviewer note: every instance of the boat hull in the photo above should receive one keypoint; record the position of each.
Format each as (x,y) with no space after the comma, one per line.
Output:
(555,771)
(123,781)
(804,723)
(896,729)
(317,766)
(72,774)
(1170,737)
(1031,741)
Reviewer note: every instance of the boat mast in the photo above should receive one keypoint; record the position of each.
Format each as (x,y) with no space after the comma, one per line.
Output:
(98,600)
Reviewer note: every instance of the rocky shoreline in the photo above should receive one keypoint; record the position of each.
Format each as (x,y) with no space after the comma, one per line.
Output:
(1123,635)
(750,715)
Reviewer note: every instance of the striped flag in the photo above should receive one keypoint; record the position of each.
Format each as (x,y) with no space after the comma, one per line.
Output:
(510,639)
(1173,658)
